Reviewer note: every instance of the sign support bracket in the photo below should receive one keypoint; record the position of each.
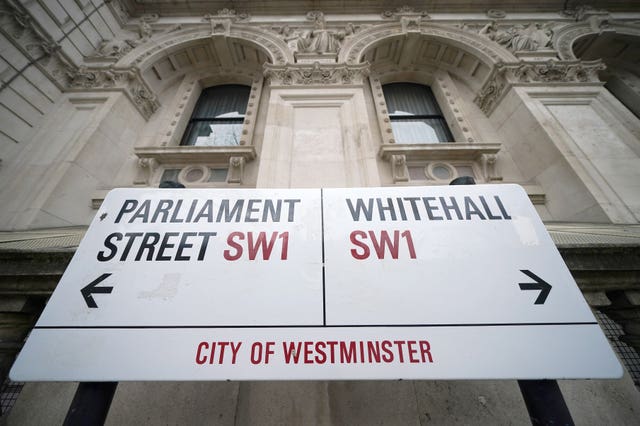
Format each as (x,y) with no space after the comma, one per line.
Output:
(91,403)
(545,403)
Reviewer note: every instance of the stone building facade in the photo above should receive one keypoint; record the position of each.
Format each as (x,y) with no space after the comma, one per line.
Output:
(99,95)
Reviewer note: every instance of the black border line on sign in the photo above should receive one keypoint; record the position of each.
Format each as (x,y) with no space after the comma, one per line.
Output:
(53,327)
(324,298)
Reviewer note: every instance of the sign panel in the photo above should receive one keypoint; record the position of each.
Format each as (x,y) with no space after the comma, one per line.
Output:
(455,282)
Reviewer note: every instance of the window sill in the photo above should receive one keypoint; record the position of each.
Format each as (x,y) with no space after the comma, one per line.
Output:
(196,154)
(439,151)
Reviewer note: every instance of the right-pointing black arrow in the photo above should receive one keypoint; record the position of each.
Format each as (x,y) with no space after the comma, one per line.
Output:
(539,284)
(91,288)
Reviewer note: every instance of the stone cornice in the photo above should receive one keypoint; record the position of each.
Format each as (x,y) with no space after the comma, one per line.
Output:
(439,151)
(25,33)
(535,73)
(195,154)
(127,80)
(184,8)
(316,74)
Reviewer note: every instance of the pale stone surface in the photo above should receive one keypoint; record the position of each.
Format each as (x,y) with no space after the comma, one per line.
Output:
(599,402)
(89,31)
(44,85)
(598,146)
(16,129)
(41,404)
(374,402)
(466,402)
(23,112)
(316,138)
(174,403)
(340,403)
(11,55)
(276,403)
(32,94)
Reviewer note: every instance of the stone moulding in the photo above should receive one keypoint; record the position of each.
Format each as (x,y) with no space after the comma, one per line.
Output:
(316,74)
(127,80)
(404,11)
(535,73)
(439,151)
(196,154)
(484,154)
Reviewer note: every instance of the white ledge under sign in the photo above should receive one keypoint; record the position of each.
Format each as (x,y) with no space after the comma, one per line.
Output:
(439,282)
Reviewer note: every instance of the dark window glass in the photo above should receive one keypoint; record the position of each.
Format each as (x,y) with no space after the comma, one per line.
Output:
(415,115)
(218,116)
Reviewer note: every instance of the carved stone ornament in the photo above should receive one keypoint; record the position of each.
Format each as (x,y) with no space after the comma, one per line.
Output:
(496,14)
(236,170)
(145,32)
(490,93)
(221,22)
(146,169)
(114,49)
(38,46)
(126,79)
(508,74)
(229,14)
(316,74)
(319,39)
(14,19)
(399,168)
(489,167)
(410,23)
(219,26)
(518,38)
(553,71)
(404,11)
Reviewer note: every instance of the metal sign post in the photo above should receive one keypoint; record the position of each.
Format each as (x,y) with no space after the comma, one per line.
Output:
(90,404)
(543,398)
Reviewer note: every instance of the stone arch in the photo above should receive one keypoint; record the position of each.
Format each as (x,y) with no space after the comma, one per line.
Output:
(240,49)
(268,42)
(484,49)
(617,45)
(567,36)
(468,56)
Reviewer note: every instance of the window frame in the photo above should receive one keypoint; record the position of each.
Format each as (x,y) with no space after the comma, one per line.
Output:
(161,149)
(464,148)
(397,118)
(236,120)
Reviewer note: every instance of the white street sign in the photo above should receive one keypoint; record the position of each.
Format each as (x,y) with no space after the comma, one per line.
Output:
(446,282)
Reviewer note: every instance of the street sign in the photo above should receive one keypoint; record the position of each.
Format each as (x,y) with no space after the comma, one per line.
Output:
(441,282)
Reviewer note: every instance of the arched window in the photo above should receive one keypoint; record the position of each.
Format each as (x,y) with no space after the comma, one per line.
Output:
(415,115)
(218,116)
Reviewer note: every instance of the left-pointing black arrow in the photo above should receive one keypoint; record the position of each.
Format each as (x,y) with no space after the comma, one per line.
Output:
(91,288)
